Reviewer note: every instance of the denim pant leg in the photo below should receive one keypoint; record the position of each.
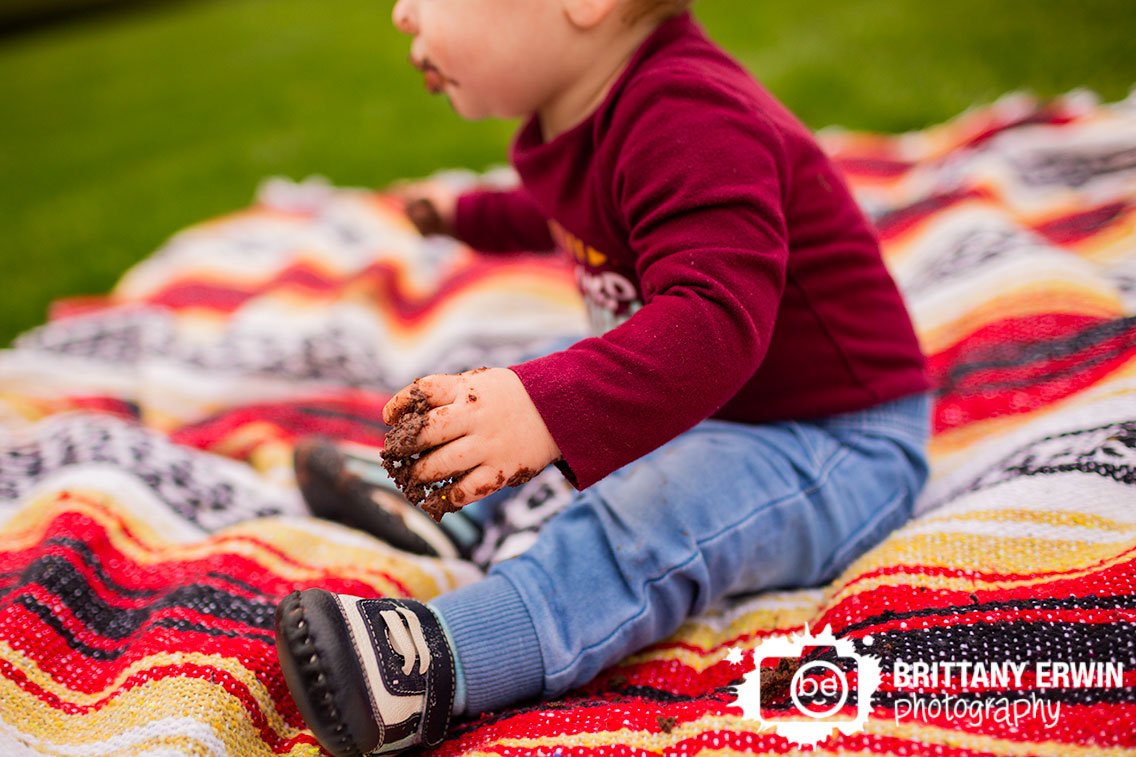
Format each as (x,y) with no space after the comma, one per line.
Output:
(724,508)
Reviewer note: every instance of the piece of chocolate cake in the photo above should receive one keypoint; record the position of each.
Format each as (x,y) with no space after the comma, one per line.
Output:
(401,450)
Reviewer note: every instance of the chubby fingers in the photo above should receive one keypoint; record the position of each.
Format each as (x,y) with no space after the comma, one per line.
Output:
(435,428)
(423,394)
(477,484)
(447,461)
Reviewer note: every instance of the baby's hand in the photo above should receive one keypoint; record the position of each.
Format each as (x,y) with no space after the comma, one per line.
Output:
(431,205)
(486,431)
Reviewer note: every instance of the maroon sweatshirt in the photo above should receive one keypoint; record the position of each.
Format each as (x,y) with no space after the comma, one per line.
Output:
(726,268)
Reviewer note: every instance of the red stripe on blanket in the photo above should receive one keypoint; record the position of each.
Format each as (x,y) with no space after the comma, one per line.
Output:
(56,659)
(614,714)
(225,559)
(956,411)
(355,418)
(71,307)
(670,674)
(724,645)
(976,574)
(1077,227)
(111,577)
(902,220)
(993,337)
(871,167)
(1048,114)
(1011,367)
(986,616)
(381,283)
(873,609)
(61,655)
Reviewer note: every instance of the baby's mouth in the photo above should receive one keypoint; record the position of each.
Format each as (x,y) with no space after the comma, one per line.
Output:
(434,79)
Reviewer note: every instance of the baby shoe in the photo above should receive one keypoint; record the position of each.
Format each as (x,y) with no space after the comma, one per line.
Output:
(369,676)
(352,488)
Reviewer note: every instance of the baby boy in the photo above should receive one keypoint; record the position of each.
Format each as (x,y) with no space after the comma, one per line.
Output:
(751,412)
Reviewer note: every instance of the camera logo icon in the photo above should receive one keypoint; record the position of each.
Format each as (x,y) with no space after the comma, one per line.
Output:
(818,689)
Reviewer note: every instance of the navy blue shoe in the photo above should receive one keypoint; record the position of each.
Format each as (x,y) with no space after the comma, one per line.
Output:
(348,485)
(369,676)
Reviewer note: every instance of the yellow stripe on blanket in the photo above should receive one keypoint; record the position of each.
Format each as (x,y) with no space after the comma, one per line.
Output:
(177,697)
(100,700)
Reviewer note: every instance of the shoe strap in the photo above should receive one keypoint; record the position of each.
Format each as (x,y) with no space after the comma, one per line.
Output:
(412,646)
(416,634)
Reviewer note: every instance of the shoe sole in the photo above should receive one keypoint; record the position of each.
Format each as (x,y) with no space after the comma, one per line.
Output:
(312,649)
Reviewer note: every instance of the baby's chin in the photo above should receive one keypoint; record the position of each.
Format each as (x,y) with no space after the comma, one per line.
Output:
(463,110)
(470,109)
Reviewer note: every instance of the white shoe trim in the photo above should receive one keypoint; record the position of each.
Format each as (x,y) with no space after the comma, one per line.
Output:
(398,707)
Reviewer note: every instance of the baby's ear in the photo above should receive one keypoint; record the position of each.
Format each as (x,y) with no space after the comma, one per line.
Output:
(587,14)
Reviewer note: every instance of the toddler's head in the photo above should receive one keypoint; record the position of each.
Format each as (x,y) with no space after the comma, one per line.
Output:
(513,58)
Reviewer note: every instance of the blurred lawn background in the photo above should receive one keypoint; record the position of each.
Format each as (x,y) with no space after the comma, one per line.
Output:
(120,127)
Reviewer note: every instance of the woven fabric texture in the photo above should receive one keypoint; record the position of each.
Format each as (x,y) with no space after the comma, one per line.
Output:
(149,521)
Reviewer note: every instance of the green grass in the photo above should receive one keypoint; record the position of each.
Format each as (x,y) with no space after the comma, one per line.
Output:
(120,129)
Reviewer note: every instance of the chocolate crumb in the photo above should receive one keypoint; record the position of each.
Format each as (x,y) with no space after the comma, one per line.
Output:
(666,723)
(523,476)
(974,598)
(440,501)
(472,397)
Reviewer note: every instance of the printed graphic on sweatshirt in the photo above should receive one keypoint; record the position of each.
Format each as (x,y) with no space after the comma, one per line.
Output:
(609,297)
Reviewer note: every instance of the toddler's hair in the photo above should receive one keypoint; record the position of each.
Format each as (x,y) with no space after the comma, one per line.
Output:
(637,9)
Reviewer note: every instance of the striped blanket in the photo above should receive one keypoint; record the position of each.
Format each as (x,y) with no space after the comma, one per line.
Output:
(149,521)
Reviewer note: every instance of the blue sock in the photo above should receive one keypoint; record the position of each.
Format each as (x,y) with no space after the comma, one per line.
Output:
(459,674)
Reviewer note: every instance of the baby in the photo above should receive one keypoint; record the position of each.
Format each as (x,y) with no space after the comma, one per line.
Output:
(751,413)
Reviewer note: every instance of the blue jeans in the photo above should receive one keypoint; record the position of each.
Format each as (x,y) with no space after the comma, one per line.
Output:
(725,508)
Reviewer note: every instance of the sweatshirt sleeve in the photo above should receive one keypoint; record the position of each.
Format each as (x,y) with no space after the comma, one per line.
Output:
(699,182)
(502,221)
